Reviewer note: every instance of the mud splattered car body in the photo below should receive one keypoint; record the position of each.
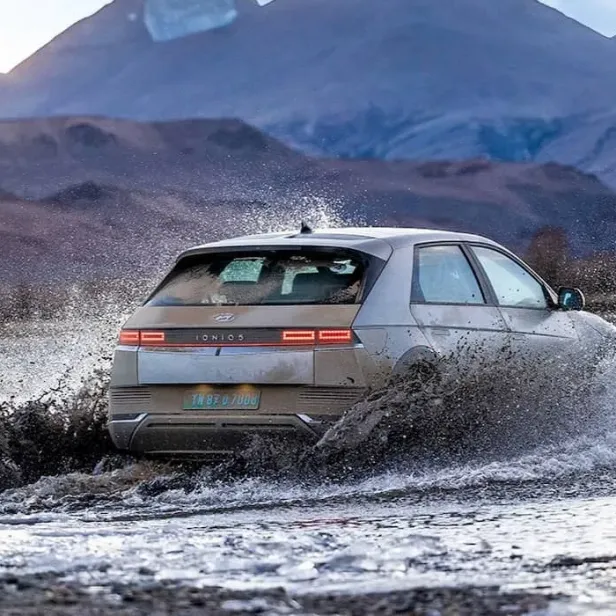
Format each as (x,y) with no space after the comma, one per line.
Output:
(279,334)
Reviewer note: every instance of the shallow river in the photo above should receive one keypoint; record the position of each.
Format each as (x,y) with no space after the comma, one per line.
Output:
(541,521)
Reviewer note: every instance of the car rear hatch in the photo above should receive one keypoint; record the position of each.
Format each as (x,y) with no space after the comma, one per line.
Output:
(267,316)
(237,345)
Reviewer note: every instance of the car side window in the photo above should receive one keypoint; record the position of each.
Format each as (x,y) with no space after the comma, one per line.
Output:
(513,285)
(443,275)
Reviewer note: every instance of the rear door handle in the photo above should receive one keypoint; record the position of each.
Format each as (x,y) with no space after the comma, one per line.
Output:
(441,331)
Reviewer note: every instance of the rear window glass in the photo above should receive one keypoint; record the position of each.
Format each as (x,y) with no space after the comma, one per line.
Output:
(274,277)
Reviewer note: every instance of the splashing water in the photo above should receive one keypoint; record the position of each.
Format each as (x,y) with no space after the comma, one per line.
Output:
(417,434)
(47,397)
(55,433)
(499,432)
(318,212)
(62,352)
(353,509)
(338,513)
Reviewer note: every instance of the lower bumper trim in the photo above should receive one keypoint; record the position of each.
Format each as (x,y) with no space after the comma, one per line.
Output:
(204,435)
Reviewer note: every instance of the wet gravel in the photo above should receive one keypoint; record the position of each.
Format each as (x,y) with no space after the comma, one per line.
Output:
(50,595)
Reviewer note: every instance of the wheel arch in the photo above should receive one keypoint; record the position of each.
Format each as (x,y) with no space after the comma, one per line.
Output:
(414,356)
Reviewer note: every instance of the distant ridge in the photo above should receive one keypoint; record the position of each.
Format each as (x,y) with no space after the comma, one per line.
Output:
(86,197)
(511,80)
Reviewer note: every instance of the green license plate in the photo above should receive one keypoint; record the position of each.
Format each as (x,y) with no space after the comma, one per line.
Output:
(232,399)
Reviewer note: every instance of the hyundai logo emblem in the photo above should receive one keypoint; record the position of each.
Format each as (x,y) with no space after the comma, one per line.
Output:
(226,317)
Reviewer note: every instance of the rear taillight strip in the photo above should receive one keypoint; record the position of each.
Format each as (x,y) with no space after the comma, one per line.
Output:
(152,338)
(299,336)
(130,337)
(288,337)
(335,336)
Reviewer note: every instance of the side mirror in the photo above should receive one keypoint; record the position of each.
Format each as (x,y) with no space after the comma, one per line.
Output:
(571,299)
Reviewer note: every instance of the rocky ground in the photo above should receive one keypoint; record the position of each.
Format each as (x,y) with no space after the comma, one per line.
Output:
(52,596)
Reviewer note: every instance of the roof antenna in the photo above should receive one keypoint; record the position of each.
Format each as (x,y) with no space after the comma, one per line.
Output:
(305,229)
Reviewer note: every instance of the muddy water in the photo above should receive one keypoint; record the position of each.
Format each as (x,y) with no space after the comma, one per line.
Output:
(519,514)
(501,524)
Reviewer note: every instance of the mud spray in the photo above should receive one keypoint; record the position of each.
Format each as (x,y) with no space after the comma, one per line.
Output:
(428,480)
(425,430)
(54,371)
(504,421)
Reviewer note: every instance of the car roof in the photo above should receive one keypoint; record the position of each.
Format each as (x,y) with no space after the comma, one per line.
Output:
(378,241)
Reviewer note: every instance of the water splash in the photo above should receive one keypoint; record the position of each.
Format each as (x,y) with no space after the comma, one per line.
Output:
(64,350)
(418,435)
(501,425)
(55,433)
(319,212)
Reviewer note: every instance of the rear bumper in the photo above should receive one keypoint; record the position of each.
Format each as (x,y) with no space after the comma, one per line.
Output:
(151,420)
(177,435)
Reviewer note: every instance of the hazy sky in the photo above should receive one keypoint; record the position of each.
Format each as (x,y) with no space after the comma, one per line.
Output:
(26,25)
(598,14)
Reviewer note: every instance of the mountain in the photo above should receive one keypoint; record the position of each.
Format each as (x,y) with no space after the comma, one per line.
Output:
(86,197)
(95,231)
(42,156)
(398,79)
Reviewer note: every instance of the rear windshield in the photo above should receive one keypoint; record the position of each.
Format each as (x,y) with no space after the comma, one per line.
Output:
(264,278)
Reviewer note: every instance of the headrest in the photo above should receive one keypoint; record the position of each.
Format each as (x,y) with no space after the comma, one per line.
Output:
(301,281)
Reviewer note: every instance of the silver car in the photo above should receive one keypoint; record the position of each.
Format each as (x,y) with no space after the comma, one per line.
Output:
(280,334)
